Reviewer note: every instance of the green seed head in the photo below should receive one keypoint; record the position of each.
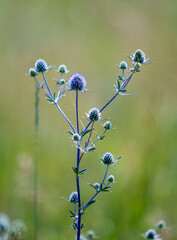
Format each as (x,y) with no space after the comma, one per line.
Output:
(161,224)
(150,234)
(33,72)
(110,179)
(107,125)
(123,65)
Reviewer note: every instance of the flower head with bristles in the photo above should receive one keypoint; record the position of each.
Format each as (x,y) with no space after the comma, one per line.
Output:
(161,224)
(76,137)
(94,114)
(150,234)
(123,65)
(91,234)
(107,125)
(4,224)
(139,57)
(73,197)
(108,158)
(77,82)
(33,72)
(41,65)
(111,179)
(62,69)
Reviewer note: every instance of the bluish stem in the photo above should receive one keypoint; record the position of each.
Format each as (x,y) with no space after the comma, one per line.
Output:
(77,112)
(35,194)
(57,104)
(47,85)
(65,117)
(105,175)
(122,88)
(87,204)
(77,176)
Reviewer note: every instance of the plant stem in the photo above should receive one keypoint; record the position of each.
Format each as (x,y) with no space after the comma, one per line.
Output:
(77,112)
(122,88)
(87,204)
(77,176)
(35,193)
(65,117)
(56,104)
(47,85)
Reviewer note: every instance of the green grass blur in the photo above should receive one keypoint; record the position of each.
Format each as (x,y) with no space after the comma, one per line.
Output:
(90,37)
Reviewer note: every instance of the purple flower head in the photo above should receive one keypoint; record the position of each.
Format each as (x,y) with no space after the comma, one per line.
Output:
(77,82)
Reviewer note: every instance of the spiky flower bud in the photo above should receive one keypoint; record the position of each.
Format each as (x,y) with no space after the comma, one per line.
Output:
(94,114)
(111,179)
(62,69)
(32,72)
(96,186)
(161,224)
(91,234)
(4,224)
(123,65)
(150,234)
(41,65)
(108,158)
(62,81)
(73,197)
(139,56)
(107,125)
(76,137)
(77,82)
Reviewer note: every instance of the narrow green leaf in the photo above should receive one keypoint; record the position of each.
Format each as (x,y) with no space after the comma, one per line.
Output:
(82,171)
(75,169)
(87,131)
(91,149)
(70,131)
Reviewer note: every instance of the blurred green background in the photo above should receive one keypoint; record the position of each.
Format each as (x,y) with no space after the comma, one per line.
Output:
(90,37)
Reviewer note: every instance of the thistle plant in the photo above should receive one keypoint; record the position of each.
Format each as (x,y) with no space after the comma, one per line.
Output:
(82,136)
(158,233)
(11,230)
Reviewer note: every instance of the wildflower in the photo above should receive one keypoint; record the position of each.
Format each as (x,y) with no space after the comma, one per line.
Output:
(111,179)
(4,224)
(76,137)
(62,82)
(77,82)
(41,65)
(94,114)
(91,234)
(32,72)
(73,197)
(139,57)
(96,186)
(62,69)
(151,234)
(107,125)
(123,65)
(161,224)
(108,158)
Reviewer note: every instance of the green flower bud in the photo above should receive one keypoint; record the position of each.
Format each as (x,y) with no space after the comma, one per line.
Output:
(123,65)
(33,72)
(76,137)
(161,224)
(107,125)
(111,179)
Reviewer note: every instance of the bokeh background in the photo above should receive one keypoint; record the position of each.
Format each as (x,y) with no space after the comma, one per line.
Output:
(90,37)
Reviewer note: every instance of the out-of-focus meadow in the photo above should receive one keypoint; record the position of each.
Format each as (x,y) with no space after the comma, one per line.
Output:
(90,37)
